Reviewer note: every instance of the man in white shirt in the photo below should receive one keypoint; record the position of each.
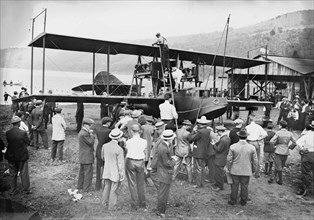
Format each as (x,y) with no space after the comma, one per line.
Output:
(168,112)
(177,76)
(58,135)
(306,145)
(136,150)
(256,135)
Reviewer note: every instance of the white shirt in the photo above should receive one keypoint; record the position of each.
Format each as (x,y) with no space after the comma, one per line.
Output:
(167,111)
(306,142)
(58,128)
(123,121)
(23,126)
(136,148)
(255,132)
(177,75)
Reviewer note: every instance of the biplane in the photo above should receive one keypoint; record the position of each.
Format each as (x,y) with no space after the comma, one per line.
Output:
(190,103)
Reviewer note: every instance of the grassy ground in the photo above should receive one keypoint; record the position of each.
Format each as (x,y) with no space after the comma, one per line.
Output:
(50,182)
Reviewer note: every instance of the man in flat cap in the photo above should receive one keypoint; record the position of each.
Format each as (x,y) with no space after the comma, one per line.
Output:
(86,155)
(38,125)
(58,135)
(102,132)
(17,156)
(221,148)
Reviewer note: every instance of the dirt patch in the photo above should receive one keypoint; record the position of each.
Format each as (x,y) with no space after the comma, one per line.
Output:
(50,182)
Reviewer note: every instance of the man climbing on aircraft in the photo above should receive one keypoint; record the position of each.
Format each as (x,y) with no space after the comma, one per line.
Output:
(162,42)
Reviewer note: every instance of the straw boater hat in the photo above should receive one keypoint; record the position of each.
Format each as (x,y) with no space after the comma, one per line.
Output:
(186,122)
(168,134)
(15,119)
(115,134)
(242,133)
(238,123)
(203,120)
(136,113)
(159,124)
(220,128)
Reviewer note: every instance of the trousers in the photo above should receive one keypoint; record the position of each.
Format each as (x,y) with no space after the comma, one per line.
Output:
(44,138)
(199,169)
(259,146)
(188,163)
(99,170)
(219,176)
(211,168)
(243,181)
(22,167)
(85,177)
(136,179)
(110,193)
(57,146)
(163,195)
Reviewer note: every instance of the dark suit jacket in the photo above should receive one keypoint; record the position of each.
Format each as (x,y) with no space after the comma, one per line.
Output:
(17,145)
(222,149)
(201,139)
(102,133)
(37,118)
(165,163)
(86,147)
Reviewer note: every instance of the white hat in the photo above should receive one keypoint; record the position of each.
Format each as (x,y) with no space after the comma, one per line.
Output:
(136,113)
(168,134)
(115,134)
(203,120)
(238,123)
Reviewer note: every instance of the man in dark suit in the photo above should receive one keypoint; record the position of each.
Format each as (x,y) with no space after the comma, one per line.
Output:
(201,138)
(17,155)
(222,149)
(38,125)
(165,164)
(102,132)
(86,155)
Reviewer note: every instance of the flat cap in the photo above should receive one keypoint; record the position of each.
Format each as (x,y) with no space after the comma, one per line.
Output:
(88,121)
(106,119)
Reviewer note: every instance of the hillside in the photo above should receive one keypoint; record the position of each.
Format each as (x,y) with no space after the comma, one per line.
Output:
(286,35)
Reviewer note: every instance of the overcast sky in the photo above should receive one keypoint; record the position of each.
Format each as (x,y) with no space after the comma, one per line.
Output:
(133,20)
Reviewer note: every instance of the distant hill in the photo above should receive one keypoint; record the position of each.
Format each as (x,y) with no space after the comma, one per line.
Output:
(286,35)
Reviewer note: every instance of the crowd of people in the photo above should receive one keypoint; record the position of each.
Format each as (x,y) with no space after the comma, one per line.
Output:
(137,148)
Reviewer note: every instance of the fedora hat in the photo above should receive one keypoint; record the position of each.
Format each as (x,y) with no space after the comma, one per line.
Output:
(186,122)
(220,128)
(242,133)
(168,134)
(115,134)
(203,120)
(15,119)
(136,113)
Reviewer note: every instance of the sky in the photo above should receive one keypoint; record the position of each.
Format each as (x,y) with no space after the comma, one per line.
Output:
(129,20)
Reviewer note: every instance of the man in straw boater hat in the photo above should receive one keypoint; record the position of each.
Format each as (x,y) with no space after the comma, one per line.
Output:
(86,141)
(17,156)
(306,145)
(241,163)
(183,150)
(221,148)
(165,164)
(114,169)
(102,132)
(152,163)
(201,138)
